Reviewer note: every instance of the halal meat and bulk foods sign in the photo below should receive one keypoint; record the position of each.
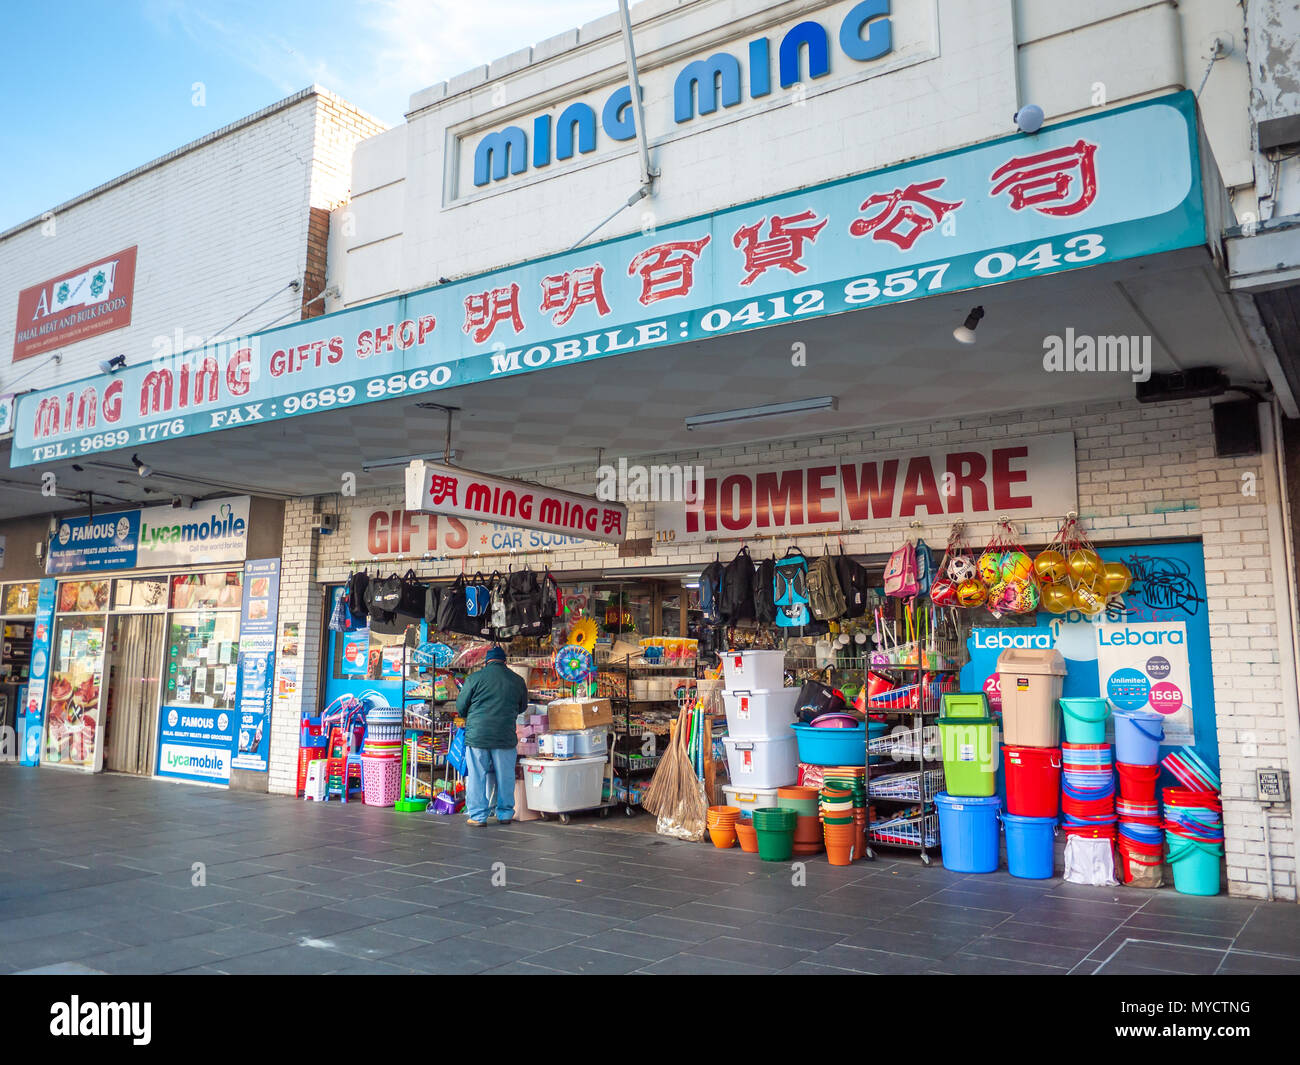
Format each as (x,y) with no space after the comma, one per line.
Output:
(92,299)
(1120,185)
(1021,478)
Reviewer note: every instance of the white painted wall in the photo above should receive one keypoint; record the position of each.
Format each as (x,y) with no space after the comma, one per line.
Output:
(221,224)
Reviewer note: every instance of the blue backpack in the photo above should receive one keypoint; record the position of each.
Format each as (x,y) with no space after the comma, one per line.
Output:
(790,590)
(924,567)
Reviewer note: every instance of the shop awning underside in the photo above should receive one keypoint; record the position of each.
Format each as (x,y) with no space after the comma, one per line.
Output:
(888,365)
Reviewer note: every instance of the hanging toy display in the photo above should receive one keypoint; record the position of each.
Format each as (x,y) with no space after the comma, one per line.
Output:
(1003,579)
(953,568)
(1073,575)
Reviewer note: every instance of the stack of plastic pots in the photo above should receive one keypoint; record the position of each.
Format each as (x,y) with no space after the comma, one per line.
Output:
(852,779)
(843,815)
(1141,841)
(808,829)
(722,825)
(775,829)
(1194,834)
(1088,790)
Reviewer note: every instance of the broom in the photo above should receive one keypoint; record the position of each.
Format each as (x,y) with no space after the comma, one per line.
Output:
(676,795)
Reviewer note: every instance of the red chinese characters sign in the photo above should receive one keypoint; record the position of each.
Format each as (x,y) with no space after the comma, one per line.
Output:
(82,303)
(448,490)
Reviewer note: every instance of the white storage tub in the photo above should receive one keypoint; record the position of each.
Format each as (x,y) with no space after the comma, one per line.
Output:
(562,787)
(583,742)
(754,670)
(749,799)
(762,763)
(761,714)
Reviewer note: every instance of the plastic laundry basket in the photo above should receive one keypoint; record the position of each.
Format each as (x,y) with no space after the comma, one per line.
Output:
(383,779)
(970,755)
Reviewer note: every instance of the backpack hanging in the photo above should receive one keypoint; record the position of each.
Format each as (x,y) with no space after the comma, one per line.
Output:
(900,573)
(924,567)
(737,595)
(710,584)
(855,583)
(432,604)
(384,596)
(790,590)
(764,605)
(478,598)
(413,597)
(825,597)
(355,594)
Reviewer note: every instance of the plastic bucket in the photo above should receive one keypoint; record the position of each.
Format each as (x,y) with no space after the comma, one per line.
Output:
(1033,781)
(775,846)
(1137,783)
(970,756)
(1085,720)
(832,746)
(1195,865)
(1140,866)
(1030,844)
(1137,737)
(968,832)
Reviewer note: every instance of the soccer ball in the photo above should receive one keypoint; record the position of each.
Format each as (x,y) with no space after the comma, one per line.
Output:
(960,568)
(1016,566)
(971,593)
(943,592)
(989,567)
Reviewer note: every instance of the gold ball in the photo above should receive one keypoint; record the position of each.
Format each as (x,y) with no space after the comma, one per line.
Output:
(1117,578)
(1051,567)
(1088,602)
(1085,566)
(1058,598)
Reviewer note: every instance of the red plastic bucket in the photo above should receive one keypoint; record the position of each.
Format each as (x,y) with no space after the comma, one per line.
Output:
(1134,857)
(1090,831)
(1088,808)
(1138,782)
(1033,781)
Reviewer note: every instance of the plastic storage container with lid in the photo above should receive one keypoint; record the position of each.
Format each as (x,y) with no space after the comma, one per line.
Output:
(970,755)
(753,670)
(761,712)
(759,762)
(1030,680)
(559,787)
(749,799)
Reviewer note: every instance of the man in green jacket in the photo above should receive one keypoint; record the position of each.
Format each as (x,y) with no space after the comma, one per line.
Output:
(491,700)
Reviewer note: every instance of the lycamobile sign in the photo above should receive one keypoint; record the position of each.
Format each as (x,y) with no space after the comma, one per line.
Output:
(212,531)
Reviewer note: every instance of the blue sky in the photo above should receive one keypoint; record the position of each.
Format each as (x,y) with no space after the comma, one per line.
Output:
(105,87)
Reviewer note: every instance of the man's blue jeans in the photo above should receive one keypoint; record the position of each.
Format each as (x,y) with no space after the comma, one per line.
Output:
(483,761)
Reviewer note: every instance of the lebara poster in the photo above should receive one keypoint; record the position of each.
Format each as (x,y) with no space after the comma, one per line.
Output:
(256,664)
(1153,655)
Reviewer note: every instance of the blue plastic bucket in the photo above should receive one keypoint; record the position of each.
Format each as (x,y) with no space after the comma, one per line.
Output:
(1030,842)
(835,746)
(1137,737)
(1195,866)
(1085,720)
(968,832)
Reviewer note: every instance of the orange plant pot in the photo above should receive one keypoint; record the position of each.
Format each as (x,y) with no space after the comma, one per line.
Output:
(839,853)
(724,837)
(808,829)
(747,836)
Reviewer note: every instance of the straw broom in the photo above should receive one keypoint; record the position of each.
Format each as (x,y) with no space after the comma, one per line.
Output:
(676,795)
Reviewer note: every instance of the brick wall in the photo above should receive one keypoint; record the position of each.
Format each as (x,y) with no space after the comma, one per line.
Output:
(1143,472)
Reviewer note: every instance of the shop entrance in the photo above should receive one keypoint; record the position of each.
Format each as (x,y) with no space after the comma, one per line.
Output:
(134,677)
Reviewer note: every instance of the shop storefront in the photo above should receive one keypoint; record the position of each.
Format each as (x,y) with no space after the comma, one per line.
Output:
(17,623)
(856,340)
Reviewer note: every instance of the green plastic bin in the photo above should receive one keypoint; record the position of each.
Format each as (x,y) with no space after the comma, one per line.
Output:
(971,749)
(966,704)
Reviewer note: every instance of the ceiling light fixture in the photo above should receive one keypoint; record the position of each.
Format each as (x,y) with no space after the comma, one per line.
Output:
(117,362)
(771,410)
(141,468)
(965,333)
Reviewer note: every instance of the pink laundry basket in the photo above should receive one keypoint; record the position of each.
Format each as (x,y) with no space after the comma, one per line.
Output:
(383,778)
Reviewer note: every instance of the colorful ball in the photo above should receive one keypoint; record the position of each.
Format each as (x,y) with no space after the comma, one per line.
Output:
(943,592)
(1088,602)
(1058,598)
(989,567)
(1085,566)
(971,593)
(996,592)
(1016,566)
(1051,567)
(960,568)
(1021,596)
(1117,577)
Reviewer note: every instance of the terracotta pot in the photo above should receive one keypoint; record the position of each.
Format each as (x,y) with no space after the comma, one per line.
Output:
(724,837)
(859,839)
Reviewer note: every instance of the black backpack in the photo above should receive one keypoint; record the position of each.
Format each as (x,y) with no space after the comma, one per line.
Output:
(764,606)
(736,599)
(355,596)
(414,597)
(384,596)
(710,586)
(453,614)
(855,583)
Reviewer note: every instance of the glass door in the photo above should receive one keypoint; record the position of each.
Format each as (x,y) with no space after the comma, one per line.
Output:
(74,699)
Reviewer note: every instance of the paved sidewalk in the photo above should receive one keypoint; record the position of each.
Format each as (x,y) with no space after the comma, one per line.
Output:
(96,873)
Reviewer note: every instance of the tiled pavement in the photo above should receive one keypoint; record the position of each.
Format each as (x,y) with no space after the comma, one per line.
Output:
(96,873)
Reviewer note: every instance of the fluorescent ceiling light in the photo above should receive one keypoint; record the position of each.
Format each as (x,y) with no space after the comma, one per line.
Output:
(406,460)
(771,410)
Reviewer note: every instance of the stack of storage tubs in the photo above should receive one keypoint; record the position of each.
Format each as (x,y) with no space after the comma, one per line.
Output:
(1141,834)
(968,807)
(761,751)
(1031,681)
(1088,787)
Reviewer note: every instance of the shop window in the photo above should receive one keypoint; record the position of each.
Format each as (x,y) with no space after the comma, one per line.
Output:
(83,597)
(140,593)
(20,599)
(202,659)
(220,590)
(72,720)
